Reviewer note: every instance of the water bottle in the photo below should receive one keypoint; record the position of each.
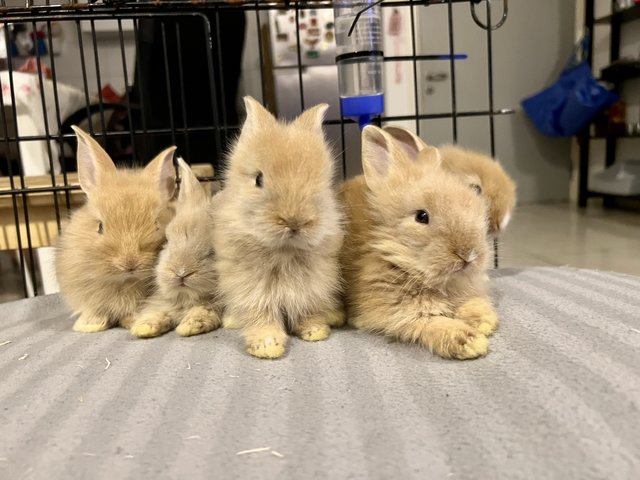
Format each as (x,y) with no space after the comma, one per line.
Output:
(359,59)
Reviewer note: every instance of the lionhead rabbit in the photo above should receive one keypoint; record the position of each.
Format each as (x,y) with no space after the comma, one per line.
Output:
(107,251)
(186,280)
(415,254)
(278,232)
(483,173)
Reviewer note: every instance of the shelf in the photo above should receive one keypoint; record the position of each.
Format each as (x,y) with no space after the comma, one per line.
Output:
(595,193)
(626,15)
(621,71)
(613,135)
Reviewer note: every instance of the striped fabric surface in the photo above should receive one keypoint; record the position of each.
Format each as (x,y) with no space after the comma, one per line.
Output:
(557,397)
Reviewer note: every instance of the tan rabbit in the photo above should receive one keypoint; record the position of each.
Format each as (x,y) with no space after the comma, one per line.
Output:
(186,280)
(106,253)
(278,232)
(483,173)
(415,254)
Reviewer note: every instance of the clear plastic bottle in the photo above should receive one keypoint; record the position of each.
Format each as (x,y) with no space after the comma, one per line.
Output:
(359,59)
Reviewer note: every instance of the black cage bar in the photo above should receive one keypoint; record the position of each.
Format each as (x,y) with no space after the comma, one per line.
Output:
(155,46)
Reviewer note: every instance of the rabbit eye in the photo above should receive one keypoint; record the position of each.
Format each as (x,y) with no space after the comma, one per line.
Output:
(477,188)
(100,228)
(422,216)
(259,180)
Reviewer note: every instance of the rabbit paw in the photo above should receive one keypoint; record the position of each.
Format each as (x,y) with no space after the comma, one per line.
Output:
(336,317)
(452,338)
(87,323)
(313,328)
(479,313)
(198,320)
(150,325)
(231,322)
(314,333)
(265,342)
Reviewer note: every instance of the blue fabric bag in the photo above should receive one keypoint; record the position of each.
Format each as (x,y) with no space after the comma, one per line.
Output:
(567,106)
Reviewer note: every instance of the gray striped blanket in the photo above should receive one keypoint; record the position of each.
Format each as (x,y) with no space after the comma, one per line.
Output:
(558,397)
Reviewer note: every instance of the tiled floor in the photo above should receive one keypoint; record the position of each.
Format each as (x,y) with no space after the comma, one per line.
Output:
(556,234)
(562,234)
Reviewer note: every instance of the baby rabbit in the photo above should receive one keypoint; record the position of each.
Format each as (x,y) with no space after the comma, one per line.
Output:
(185,298)
(278,232)
(483,173)
(106,253)
(415,254)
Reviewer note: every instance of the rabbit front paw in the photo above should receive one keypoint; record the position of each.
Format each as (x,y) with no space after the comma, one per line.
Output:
(198,320)
(265,342)
(90,323)
(479,313)
(313,328)
(453,338)
(151,324)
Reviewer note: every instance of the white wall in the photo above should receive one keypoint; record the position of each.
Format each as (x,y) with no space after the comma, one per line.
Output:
(529,51)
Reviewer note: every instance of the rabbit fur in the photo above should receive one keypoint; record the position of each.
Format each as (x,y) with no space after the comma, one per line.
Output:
(278,232)
(186,280)
(484,173)
(106,253)
(417,281)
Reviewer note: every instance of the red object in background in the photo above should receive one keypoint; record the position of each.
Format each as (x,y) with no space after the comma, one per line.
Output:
(31,66)
(109,95)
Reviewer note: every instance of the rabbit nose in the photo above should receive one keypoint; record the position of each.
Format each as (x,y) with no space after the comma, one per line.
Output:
(183,275)
(293,224)
(467,258)
(131,265)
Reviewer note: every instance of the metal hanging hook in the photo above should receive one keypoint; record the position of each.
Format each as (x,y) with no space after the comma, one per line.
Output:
(505,13)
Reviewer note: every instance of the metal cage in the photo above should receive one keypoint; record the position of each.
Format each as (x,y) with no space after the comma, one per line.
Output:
(178,66)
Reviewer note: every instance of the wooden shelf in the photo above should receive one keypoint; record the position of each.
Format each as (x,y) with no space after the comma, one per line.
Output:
(622,16)
(43,224)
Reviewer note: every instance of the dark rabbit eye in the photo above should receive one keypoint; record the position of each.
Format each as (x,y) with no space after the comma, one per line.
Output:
(259,180)
(100,228)
(422,216)
(477,188)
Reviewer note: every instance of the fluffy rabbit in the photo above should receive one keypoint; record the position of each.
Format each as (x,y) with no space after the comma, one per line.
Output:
(185,298)
(106,253)
(483,173)
(415,254)
(278,232)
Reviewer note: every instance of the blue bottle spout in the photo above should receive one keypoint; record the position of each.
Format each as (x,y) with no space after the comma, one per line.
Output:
(364,120)
(363,108)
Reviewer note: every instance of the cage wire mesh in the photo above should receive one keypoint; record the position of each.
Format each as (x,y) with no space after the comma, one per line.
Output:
(140,76)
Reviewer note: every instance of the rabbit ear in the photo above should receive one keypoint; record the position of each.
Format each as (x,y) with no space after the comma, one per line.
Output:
(190,188)
(379,153)
(93,162)
(430,156)
(257,116)
(409,141)
(311,119)
(161,169)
